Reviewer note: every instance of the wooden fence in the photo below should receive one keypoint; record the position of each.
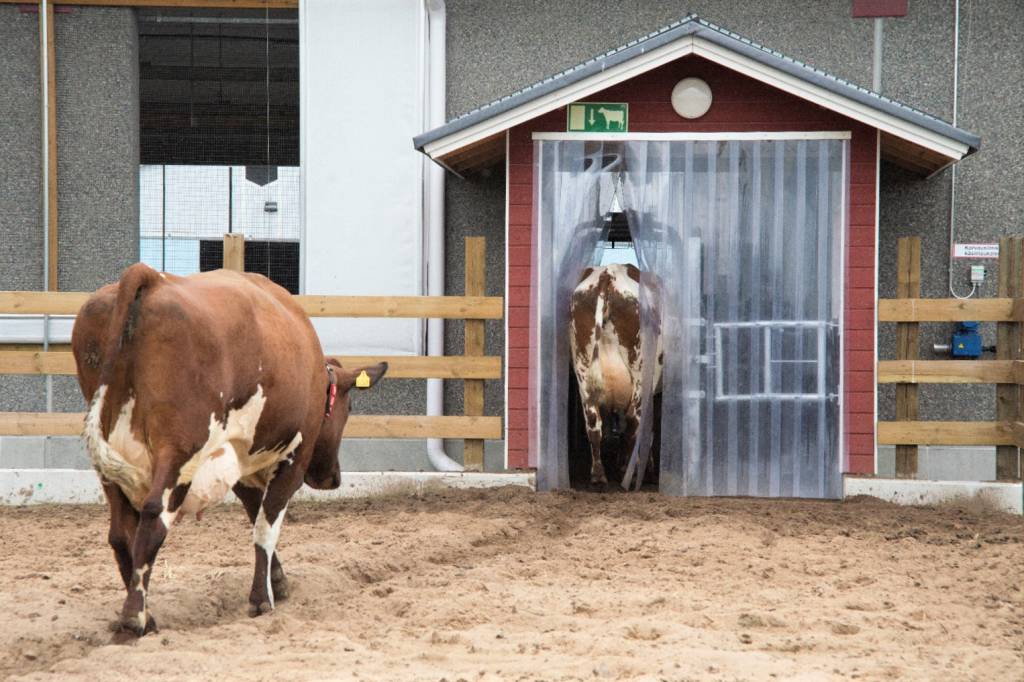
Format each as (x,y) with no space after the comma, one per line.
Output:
(473,367)
(1006,432)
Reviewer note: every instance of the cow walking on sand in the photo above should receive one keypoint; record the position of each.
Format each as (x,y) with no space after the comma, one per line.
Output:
(197,386)
(607,356)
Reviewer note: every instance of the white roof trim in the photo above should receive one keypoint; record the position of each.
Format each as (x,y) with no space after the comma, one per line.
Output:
(697,137)
(687,45)
(560,98)
(837,103)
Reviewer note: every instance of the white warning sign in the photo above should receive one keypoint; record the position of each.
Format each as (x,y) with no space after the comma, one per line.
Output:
(976,250)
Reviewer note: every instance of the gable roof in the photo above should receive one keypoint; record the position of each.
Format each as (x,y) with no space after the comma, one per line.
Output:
(910,138)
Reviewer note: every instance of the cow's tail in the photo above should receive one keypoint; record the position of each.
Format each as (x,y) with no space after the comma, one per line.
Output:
(109,463)
(123,319)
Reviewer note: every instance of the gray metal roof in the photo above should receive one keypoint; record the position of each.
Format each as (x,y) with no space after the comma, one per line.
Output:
(693,25)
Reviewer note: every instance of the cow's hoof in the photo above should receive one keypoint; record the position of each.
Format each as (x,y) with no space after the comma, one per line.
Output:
(279,583)
(124,637)
(263,608)
(599,486)
(128,632)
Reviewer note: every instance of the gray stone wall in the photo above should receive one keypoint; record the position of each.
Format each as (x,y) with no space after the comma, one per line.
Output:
(497,48)
(96,68)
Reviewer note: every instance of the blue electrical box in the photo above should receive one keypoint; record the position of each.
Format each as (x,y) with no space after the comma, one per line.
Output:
(967,340)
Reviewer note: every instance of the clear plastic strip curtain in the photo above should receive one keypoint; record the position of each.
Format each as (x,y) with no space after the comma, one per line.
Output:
(740,245)
(572,192)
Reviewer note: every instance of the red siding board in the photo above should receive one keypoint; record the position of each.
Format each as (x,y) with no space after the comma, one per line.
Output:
(519,275)
(862,424)
(517,398)
(859,340)
(859,381)
(518,316)
(860,319)
(862,443)
(862,235)
(861,403)
(518,380)
(860,360)
(520,215)
(518,337)
(862,215)
(861,277)
(862,464)
(518,357)
(518,459)
(518,439)
(861,257)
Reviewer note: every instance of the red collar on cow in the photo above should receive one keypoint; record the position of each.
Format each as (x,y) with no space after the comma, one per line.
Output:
(332,393)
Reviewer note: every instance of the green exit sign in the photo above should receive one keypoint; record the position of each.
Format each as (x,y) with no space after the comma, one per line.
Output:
(598,117)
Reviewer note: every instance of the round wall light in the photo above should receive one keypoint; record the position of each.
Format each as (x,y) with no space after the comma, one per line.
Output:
(691,98)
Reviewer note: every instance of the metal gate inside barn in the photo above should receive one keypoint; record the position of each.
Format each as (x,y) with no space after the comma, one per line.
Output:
(740,245)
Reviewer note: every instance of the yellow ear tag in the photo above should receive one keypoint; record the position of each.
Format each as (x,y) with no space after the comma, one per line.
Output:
(362,381)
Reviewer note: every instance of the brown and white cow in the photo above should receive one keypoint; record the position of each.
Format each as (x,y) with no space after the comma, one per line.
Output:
(197,386)
(607,355)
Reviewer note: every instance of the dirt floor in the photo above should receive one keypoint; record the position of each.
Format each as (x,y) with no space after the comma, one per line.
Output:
(509,584)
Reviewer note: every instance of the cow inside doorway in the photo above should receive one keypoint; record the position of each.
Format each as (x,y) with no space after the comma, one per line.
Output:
(605,392)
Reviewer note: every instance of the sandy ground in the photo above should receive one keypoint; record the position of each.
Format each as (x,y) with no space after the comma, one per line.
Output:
(509,584)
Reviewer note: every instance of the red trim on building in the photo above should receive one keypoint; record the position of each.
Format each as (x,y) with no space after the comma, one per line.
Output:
(741,104)
(869,9)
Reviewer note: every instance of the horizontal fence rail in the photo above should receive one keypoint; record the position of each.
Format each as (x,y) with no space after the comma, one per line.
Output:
(950,372)
(473,368)
(1006,432)
(950,310)
(399,366)
(444,307)
(357,426)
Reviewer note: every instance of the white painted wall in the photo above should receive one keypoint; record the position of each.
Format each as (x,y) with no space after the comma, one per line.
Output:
(361,84)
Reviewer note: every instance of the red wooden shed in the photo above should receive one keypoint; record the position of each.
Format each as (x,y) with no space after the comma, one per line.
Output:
(743,117)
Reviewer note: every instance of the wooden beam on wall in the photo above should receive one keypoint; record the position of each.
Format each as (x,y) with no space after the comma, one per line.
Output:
(948,310)
(473,389)
(907,348)
(945,433)
(1008,334)
(947,372)
(234,252)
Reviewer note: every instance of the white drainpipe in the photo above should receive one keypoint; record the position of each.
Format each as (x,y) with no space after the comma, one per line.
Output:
(435,223)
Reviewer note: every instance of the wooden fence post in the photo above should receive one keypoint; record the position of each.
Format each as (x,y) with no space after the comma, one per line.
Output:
(476,268)
(907,348)
(234,252)
(1008,339)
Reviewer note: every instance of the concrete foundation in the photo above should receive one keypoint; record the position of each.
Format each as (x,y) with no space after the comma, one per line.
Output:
(74,486)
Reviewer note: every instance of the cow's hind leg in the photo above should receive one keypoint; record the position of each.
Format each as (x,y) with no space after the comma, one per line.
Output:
(158,512)
(124,521)
(267,529)
(597,475)
(630,429)
(251,499)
